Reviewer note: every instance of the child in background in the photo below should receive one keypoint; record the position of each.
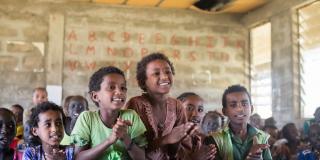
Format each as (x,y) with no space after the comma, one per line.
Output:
(312,152)
(163,116)
(193,105)
(72,108)
(212,122)
(39,95)
(109,133)
(7,133)
(17,110)
(47,121)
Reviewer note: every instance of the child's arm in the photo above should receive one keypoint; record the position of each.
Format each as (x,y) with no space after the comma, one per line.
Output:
(134,150)
(87,153)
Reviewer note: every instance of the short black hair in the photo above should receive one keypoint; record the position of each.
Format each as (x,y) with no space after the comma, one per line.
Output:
(40,108)
(184,96)
(97,78)
(40,89)
(232,89)
(18,106)
(6,110)
(142,67)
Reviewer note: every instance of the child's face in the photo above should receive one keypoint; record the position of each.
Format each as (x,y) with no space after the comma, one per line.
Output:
(255,121)
(238,108)
(159,77)
(50,128)
(112,93)
(314,136)
(194,108)
(7,129)
(18,113)
(294,134)
(26,132)
(39,96)
(75,107)
(211,123)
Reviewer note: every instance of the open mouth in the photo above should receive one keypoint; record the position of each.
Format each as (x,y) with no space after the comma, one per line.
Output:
(240,116)
(195,120)
(118,100)
(164,83)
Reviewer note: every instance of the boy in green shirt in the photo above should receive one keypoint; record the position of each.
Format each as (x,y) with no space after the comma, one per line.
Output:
(239,140)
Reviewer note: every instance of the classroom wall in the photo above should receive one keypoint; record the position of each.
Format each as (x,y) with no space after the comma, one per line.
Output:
(282,15)
(60,44)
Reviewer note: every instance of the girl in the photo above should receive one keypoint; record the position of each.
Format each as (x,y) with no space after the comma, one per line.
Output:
(109,133)
(164,117)
(47,121)
(72,108)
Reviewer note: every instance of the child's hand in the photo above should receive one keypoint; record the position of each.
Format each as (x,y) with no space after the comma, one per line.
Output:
(119,130)
(255,152)
(179,132)
(55,153)
(205,153)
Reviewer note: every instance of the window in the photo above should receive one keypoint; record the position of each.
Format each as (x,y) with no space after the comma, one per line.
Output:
(260,69)
(309,47)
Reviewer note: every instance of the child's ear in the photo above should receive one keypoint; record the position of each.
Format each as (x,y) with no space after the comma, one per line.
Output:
(34,131)
(252,109)
(94,96)
(224,111)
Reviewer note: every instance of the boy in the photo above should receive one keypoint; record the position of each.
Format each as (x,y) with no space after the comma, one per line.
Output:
(239,140)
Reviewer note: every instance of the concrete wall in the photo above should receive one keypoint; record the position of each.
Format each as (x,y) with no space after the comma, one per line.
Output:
(62,44)
(285,56)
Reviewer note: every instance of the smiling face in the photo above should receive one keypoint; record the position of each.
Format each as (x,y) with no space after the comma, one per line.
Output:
(50,128)
(112,93)
(75,107)
(7,129)
(159,77)
(238,108)
(194,108)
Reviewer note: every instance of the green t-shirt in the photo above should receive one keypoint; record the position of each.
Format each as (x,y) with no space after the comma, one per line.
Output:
(233,148)
(90,130)
(66,140)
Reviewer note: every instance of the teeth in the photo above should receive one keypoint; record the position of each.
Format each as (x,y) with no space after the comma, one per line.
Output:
(76,114)
(240,115)
(163,84)
(118,99)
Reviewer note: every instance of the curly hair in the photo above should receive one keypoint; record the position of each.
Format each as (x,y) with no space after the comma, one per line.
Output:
(232,89)
(142,67)
(76,98)
(41,108)
(97,78)
(184,96)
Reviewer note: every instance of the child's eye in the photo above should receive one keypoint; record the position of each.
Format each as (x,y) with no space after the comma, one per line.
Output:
(124,88)
(168,72)
(112,87)
(156,73)
(190,108)
(47,124)
(200,110)
(58,124)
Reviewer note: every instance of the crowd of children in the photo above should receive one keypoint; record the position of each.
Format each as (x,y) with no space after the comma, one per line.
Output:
(152,125)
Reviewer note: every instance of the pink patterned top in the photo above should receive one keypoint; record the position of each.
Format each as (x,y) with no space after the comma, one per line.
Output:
(175,116)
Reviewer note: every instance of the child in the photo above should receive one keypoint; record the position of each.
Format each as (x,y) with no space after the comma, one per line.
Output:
(47,121)
(7,133)
(212,122)
(193,104)
(17,110)
(312,152)
(164,117)
(39,95)
(255,121)
(109,133)
(239,140)
(72,108)
(315,120)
